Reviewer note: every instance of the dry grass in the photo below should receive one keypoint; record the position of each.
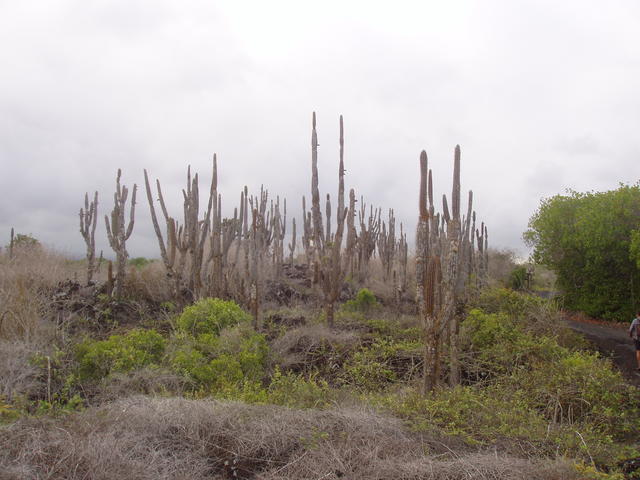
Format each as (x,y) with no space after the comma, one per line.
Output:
(26,283)
(145,381)
(501,264)
(308,346)
(18,376)
(142,438)
(149,282)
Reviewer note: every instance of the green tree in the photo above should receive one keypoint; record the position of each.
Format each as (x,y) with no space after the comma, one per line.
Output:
(518,278)
(590,240)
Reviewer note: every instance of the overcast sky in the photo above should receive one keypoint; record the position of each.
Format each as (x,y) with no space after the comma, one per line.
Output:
(541,95)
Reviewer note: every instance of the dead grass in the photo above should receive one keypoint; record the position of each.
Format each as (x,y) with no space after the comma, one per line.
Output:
(149,282)
(154,381)
(312,347)
(26,282)
(142,438)
(501,264)
(18,376)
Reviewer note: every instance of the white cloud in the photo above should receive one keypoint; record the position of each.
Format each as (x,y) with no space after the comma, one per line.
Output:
(541,95)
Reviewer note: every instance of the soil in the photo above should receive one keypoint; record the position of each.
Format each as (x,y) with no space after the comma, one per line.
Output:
(612,340)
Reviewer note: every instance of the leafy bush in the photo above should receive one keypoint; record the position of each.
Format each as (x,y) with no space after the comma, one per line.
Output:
(210,315)
(219,362)
(139,262)
(564,386)
(587,238)
(518,278)
(296,391)
(364,301)
(581,387)
(507,301)
(120,353)
(474,414)
(26,243)
(380,364)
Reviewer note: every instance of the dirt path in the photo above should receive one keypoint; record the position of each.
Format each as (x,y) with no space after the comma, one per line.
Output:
(613,342)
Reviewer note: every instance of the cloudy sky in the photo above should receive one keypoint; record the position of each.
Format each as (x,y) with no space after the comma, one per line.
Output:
(541,95)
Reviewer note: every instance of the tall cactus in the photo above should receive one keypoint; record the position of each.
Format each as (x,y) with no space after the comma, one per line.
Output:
(402,249)
(292,245)
(426,276)
(444,265)
(11,241)
(185,242)
(387,245)
(367,238)
(331,262)
(88,222)
(451,272)
(118,233)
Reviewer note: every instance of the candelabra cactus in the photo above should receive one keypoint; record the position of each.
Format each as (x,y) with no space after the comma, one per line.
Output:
(444,262)
(11,240)
(292,245)
(330,261)
(426,275)
(185,242)
(88,222)
(118,233)
(483,256)
(387,245)
(307,234)
(368,237)
(402,249)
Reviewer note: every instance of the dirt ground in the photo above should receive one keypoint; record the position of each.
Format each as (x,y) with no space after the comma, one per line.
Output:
(612,341)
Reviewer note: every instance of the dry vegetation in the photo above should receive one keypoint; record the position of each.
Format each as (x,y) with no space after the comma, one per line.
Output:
(145,438)
(241,354)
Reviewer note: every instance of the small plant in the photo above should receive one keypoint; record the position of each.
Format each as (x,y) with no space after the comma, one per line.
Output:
(25,242)
(210,315)
(220,362)
(120,353)
(364,301)
(296,391)
(60,406)
(518,278)
(169,307)
(139,262)
(8,413)
(384,362)
(507,301)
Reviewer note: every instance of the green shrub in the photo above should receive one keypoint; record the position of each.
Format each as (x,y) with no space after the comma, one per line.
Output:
(120,353)
(518,278)
(565,386)
(581,387)
(474,414)
(220,362)
(384,362)
(510,302)
(364,302)
(210,315)
(481,416)
(139,262)
(393,330)
(296,391)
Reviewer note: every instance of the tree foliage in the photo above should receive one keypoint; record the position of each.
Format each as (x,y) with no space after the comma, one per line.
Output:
(592,241)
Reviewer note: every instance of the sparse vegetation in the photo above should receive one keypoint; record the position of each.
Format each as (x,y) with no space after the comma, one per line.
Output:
(226,358)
